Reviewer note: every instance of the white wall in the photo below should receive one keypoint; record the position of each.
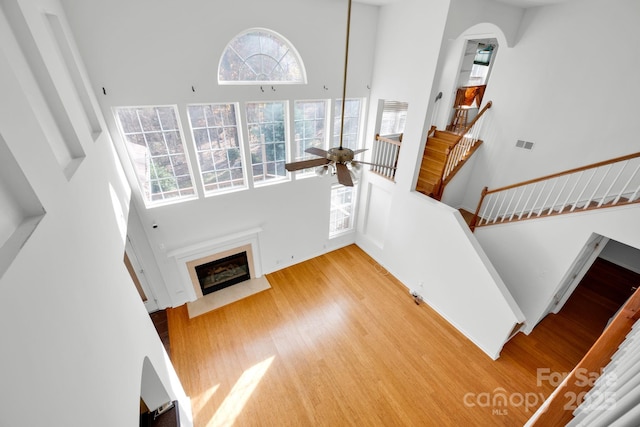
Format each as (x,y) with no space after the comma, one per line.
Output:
(550,89)
(533,256)
(160,50)
(426,244)
(74,330)
(622,255)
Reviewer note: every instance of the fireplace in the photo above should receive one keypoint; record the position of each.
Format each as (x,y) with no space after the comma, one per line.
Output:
(214,269)
(223,272)
(220,271)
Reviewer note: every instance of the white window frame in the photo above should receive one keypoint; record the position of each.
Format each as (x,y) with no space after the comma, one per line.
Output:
(247,56)
(147,196)
(295,156)
(396,112)
(241,149)
(287,145)
(336,120)
(333,233)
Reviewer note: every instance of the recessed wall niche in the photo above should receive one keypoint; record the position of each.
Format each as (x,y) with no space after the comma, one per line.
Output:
(49,63)
(73,68)
(21,208)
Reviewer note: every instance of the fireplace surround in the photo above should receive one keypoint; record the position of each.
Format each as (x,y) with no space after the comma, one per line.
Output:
(190,259)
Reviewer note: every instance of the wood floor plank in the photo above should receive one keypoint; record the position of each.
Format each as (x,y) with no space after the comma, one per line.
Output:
(340,342)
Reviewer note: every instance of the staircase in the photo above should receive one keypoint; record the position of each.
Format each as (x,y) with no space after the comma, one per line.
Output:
(434,159)
(445,153)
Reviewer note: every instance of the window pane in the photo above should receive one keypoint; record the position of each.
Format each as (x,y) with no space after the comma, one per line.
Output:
(260,56)
(394,116)
(215,134)
(156,150)
(267,139)
(309,120)
(341,213)
(351,132)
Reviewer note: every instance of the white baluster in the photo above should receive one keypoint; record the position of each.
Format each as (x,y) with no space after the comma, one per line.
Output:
(515,208)
(584,188)
(524,207)
(500,208)
(555,182)
(626,185)
(597,188)
(558,196)
(533,207)
(506,211)
(566,202)
(604,196)
(495,203)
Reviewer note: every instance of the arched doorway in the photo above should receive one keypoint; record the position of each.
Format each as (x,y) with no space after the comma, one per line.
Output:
(154,398)
(471,83)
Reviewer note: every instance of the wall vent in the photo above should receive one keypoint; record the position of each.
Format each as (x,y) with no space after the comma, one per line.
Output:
(527,145)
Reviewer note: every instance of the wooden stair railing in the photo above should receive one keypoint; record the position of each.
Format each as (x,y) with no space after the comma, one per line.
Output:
(609,183)
(558,409)
(460,152)
(445,153)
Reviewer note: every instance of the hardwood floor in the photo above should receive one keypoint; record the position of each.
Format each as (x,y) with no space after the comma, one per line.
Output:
(468,216)
(338,341)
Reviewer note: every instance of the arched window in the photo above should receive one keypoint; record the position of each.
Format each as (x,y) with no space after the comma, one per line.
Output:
(260,56)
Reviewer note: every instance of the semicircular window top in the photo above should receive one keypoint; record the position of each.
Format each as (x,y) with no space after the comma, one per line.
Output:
(260,56)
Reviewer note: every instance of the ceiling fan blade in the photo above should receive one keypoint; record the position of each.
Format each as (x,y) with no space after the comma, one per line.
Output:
(317,151)
(344,177)
(304,164)
(359,151)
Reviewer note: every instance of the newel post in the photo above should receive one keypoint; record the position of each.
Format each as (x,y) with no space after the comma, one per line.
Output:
(474,221)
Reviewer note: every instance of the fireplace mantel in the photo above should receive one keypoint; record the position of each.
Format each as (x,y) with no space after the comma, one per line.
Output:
(241,236)
(186,257)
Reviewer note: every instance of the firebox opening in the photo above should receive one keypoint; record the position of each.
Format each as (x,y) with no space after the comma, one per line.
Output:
(223,272)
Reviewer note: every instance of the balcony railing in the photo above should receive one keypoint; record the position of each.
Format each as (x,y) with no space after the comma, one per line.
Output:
(609,183)
(384,155)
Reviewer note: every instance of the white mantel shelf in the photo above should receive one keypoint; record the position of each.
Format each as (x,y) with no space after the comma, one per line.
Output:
(195,248)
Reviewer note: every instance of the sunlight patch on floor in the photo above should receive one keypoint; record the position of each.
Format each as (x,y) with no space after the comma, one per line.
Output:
(203,398)
(232,405)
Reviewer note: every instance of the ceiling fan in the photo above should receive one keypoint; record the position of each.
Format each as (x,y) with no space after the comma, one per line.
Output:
(337,160)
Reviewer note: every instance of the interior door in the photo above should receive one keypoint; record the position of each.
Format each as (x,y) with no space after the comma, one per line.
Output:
(580,266)
(137,275)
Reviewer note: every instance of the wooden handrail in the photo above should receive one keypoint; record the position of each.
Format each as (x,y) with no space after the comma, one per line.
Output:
(475,119)
(447,172)
(567,172)
(389,140)
(553,412)
(469,126)
(535,210)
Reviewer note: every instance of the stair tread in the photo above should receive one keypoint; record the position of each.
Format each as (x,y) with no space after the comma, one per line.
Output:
(430,178)
(436,148)
(435,156)
(444,135)
(431,168)
(434,141)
